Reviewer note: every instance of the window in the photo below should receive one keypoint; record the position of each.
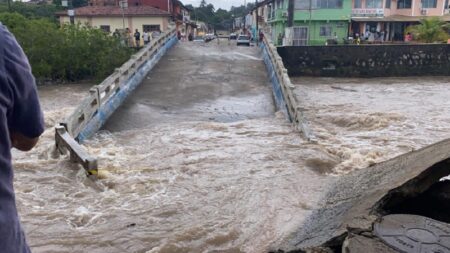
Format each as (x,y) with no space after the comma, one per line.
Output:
(404,4)
(429,3)
(325,31)
(374,4)
(358,4)
(388,4)
(150,28)
(302,4)
(327,4)
(318,4)
(300,36)
(105,28)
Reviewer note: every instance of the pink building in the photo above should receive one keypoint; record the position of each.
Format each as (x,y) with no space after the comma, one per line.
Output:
(387,19)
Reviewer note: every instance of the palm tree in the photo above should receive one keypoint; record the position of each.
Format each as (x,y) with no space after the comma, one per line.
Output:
(430,30)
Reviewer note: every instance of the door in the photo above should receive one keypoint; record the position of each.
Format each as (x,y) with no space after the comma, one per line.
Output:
(300,36)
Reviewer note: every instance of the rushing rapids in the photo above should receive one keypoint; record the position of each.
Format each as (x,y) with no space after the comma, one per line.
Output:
(215,169)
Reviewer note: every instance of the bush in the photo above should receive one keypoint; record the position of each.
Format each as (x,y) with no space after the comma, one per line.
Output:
(430,30)
(67,53)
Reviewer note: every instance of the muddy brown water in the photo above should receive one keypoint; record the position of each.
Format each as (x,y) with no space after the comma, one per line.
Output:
(186,178)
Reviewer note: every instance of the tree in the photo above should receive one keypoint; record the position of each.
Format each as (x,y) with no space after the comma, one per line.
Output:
(430,30)
(220,18)
(32,11)
(67,53)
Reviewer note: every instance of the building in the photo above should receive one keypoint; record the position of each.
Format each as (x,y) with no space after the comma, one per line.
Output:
(315,22)
(182,18)
(390,18)
(319,22)
(110,18)
(178,13)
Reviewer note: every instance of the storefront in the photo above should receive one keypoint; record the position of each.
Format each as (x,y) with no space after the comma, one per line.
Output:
(390,28)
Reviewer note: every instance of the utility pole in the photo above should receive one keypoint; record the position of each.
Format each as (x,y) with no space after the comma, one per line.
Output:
(309,23)
(257,28)
(291,13)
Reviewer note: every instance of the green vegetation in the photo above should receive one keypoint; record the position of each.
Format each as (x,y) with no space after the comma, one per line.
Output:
(430,30)
(31,10)
(219,19)
(68,53)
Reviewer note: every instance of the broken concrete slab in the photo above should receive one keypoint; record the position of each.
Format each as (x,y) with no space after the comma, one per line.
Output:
(355,201)
(358,243)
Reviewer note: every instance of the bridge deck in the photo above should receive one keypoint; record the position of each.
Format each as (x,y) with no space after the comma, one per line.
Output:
(199,82)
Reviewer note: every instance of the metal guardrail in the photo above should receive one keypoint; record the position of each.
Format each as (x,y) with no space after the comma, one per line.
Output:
(293,106)
(67,132)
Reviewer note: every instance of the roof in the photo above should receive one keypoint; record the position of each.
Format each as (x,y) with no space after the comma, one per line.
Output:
(262,3)
(108,11)
(397,18)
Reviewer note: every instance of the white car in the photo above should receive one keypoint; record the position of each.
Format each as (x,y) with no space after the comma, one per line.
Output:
(243,40)
(199,39)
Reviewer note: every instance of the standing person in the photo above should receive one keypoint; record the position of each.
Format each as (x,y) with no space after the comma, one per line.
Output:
(280,39)
(382,35)
(408,37)
(21,124)
(129,37)
(137,38)
(116,34)
(146,37)
(358,39)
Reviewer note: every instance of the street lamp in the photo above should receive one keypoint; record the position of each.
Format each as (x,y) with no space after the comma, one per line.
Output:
(70,11)
(123,5)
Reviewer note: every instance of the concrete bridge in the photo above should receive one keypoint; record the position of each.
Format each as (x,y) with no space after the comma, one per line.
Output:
(222,83)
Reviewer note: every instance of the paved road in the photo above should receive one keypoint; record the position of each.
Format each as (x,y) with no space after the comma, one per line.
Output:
(199,82)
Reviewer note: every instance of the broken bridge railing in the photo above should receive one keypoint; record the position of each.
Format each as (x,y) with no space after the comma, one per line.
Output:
(104,98)
(284,89)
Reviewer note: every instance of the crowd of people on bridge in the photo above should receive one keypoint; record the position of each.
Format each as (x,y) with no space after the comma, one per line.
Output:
(134,39)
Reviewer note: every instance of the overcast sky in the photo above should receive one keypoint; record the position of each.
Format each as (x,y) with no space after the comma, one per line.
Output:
(223,4)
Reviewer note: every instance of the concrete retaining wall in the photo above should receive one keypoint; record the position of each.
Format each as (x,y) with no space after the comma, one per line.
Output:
(276,86)
(367,60)
(285,98)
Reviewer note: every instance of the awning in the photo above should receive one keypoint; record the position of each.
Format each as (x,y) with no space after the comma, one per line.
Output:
(397,18)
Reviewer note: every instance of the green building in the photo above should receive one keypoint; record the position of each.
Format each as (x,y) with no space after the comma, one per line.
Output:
(315,21)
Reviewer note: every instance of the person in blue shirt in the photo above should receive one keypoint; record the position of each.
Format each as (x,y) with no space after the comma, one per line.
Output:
(21,124)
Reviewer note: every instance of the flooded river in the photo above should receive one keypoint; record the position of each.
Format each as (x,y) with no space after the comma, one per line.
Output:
(365,121)
(215,169)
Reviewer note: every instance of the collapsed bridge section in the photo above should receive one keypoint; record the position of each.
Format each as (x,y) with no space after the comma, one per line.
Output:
(412,185)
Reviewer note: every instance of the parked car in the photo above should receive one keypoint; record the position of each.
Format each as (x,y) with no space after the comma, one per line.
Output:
(209,37)
(233,36)
(243,40)
(198,39)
